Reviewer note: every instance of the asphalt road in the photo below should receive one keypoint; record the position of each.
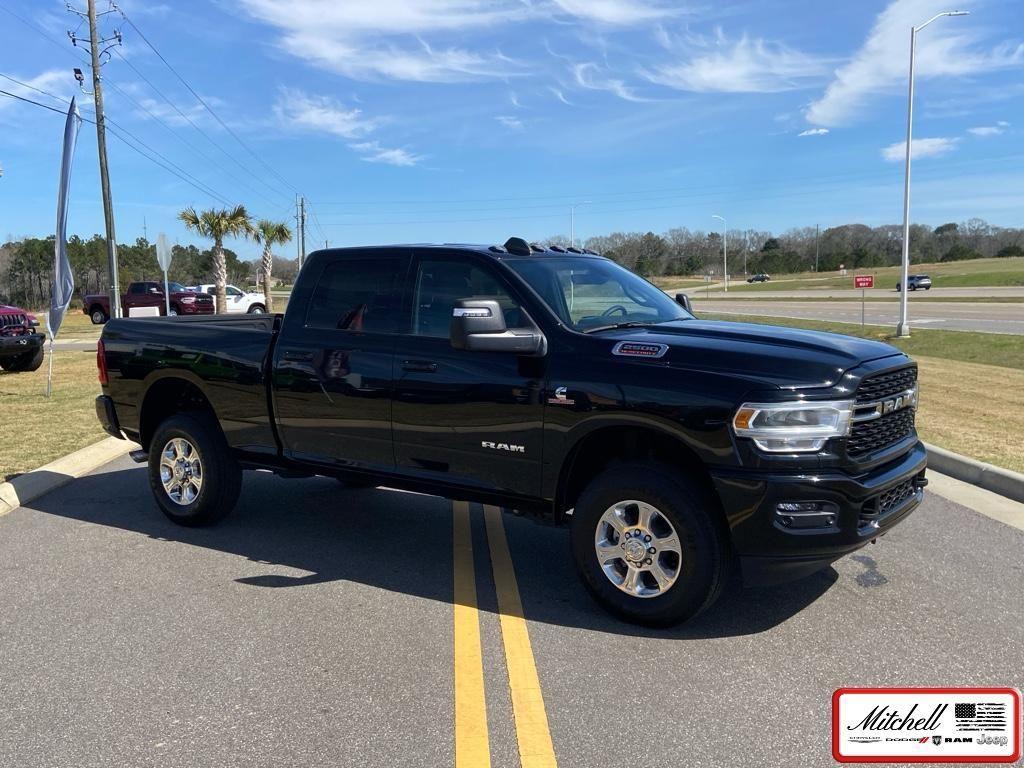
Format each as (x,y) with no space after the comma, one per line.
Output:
(954,316)
(315,627)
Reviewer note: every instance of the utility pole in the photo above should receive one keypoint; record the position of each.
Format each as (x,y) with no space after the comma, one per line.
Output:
(298,229)
(302,231)
(725,249)
(95,41)
(815,248)
(145,232)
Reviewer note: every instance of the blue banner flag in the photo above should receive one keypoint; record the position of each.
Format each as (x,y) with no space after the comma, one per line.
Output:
(63,279)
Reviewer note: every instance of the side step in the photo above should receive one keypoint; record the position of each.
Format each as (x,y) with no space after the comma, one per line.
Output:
(139,456)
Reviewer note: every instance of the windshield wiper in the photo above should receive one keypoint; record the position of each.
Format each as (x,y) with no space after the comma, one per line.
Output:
(626,324)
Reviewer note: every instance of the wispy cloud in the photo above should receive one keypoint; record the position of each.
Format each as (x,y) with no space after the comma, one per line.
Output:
(813,132)
(55,81)
(617,11)
(951,47)
(745,66)
(919,148)
(322,114)
(559,95)
(510,122)
(590,76)
(989,130)
(373,152)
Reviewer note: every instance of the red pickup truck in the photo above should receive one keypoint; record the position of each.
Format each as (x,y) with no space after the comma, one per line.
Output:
(149,294)
(21,347)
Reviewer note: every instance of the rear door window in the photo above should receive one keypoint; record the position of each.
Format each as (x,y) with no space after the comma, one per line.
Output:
(359,294)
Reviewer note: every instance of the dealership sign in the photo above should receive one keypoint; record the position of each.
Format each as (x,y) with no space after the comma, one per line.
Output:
(926,725)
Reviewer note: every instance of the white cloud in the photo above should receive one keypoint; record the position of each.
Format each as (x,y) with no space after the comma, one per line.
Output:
(813,132)
(990,130)
(510,122)
(322,114)
(59,82)
(919,148)
(746,66)
(163,111)
(559,95)
(373,152)
(588,75)
(368,41)
(616,11)
(950,47)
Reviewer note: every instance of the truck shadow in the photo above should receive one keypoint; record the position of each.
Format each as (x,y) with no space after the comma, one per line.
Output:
(400,542)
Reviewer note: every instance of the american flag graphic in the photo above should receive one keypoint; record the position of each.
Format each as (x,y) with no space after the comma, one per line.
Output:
(980,716)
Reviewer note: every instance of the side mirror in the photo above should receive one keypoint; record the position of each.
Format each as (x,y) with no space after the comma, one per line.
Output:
(684,301)
(478,325)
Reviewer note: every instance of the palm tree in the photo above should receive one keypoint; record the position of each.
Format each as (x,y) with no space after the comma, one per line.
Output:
(269,233)
(216,224)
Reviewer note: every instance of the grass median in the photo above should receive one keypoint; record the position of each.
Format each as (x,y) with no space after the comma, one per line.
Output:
(970,385)
(37,429)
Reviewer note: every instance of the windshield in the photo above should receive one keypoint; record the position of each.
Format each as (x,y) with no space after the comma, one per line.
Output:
(590,293)
(176,287)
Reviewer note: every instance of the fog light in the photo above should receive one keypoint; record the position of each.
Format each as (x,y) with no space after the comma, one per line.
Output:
(806,515)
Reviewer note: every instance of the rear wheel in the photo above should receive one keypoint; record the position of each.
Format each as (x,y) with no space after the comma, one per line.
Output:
(647,545)
(257,309)
(192,472)
(98,316)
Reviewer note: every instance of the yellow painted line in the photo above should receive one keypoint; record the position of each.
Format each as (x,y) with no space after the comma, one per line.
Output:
(535,747)
(472,746)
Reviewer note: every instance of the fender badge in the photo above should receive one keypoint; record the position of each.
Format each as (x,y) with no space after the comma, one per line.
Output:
(639,349)
(560,397)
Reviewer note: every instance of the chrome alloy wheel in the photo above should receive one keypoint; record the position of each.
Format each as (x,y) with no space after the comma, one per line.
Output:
(181,471)
(638,549)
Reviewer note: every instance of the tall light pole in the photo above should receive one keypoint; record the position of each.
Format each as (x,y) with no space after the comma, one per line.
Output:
(903,327)
(725,249)
(572,221)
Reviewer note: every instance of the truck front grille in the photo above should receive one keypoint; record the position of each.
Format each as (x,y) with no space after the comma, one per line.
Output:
(885,430)
(12,321)
(887,502)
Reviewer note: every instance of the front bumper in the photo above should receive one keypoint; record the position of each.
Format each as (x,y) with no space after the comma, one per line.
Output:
(861,509)
(196,309)
(12,346)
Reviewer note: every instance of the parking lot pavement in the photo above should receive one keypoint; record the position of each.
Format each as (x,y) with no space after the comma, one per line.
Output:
(315,626)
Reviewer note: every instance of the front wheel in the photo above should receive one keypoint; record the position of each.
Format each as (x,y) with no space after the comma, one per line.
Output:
(647,545)
(192,472)
(257,309)
(173,312)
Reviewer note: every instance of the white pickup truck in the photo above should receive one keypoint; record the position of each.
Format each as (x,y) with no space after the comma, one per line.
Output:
(239,302)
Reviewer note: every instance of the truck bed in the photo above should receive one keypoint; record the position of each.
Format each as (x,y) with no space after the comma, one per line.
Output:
(224,356)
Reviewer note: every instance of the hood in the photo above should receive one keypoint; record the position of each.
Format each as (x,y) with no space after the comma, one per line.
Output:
(7,309)
(783,357)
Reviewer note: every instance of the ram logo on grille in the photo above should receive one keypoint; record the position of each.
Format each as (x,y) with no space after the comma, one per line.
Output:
(896,403)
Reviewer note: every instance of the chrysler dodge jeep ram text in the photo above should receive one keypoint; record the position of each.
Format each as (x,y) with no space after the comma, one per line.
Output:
(545,380)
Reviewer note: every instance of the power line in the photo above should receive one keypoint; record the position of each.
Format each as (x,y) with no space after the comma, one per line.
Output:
(30,101)
(208,108)
(204,134)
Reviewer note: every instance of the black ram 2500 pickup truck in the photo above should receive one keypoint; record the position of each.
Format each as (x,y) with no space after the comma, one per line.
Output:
(546,380)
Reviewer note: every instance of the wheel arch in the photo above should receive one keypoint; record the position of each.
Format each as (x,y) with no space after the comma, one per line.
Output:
(173,392)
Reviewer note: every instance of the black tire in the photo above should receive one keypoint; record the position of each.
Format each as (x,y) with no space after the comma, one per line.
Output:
(257,309)
(27,362)
(704,563)
(221,475)
(98,315)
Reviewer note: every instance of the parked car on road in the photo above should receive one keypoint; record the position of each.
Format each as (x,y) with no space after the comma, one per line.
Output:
(551,381)
(149,294)
(239,301)
(759,278)
(21,345)
(917,281)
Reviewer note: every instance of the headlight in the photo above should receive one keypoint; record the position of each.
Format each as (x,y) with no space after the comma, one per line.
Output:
(798,427)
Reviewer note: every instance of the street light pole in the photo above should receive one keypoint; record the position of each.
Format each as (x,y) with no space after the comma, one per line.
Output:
(903,328)
(572,221)
(725,249)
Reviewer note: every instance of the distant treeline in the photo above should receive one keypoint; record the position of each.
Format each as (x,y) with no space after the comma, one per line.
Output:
(681,251)
(26,267)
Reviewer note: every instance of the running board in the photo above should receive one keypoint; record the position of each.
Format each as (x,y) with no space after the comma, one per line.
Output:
(139,456)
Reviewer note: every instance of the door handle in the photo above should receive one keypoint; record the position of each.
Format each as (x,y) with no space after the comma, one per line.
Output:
(420,366)
(298,357)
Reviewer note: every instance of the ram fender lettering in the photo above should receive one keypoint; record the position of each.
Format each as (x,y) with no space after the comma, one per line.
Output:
(503,447)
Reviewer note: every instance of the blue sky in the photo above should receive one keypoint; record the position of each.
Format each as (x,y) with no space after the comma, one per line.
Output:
(466,120)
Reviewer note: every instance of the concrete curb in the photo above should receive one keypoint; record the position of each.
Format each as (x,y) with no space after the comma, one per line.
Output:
(31,485)
(1005,482)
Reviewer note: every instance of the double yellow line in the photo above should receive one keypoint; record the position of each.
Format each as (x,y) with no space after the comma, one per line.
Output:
(472,744)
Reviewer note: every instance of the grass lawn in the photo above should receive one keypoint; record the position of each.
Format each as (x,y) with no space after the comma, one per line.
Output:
(36,430)
(950,274)
(971,385)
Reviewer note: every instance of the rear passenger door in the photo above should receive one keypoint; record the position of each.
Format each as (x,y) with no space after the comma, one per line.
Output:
(462,417)
(332,375)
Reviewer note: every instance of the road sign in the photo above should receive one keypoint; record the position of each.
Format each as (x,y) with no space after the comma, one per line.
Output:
(163,257)
(863,281)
